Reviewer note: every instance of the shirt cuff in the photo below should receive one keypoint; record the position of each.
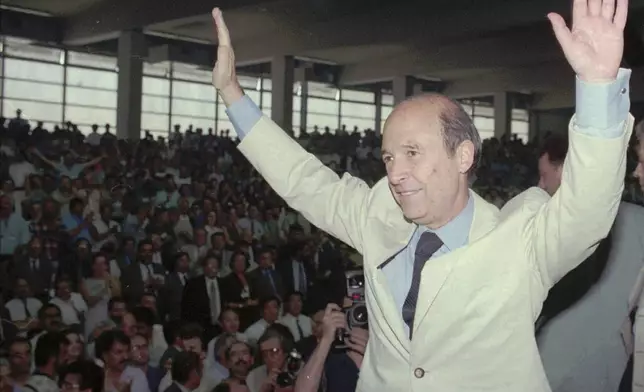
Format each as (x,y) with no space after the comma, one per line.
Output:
(244,114)
(601,108)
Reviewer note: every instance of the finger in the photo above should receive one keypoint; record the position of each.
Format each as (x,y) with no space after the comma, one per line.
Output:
(223,36)
(621,14)
(608,9)
(579,9)
(330,308)
(562,32)
(594,7)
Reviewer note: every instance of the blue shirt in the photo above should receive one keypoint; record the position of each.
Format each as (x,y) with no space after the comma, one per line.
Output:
(601,110)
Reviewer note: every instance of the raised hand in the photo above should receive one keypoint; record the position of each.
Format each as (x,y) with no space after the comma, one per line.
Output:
(224,76)
(595,44)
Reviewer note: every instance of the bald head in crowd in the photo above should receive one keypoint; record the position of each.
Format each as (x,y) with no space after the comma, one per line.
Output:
(430,149)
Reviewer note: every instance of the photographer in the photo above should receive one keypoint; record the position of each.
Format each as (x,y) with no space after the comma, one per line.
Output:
(334,372)
(277,373)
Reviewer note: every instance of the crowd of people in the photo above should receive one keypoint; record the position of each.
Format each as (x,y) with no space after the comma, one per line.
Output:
(127,265)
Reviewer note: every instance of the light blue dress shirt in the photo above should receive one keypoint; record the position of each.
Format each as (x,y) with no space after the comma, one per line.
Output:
(601,110)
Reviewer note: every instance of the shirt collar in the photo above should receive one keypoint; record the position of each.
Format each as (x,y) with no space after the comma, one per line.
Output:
(457,231)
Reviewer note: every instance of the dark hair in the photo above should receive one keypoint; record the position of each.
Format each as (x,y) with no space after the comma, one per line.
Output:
(190,331)
(222,387)
(18,340)
(43,309)
(266,300)
(144,315)
(209,256)
(556,146)
(91,375)
(106,341)
(183,364)
(281,333)
(48,347)
(75,202)
(222,342)
(229,349)
(113,301)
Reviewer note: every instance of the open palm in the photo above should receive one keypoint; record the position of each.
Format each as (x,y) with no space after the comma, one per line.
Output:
(223,74)
(595,44)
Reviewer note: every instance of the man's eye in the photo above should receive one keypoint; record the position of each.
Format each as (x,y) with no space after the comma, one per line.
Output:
(412,153)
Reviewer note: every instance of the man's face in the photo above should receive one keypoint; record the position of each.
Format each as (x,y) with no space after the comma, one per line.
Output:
(270,311)
(128,325)
(20,358)
(63,290)
(549,174)
(139,353)
(272,354)
(295,305)
(52,320)
(230,322)
(240,360)
(423,178)
(116,359)
(265,260)
(117,312)
(639,170)
(211,267)
(146,252)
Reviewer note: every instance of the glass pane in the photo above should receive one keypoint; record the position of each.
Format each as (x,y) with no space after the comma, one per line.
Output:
(385,111)
(387,99)
(157,69)
(321,121)
(156,86)
(155,122)
(361,123)
(195,122)
(267,112)
(33,91)
(266,100)
(81,77)
(31,70)
(91,60)
(191,72)
(323,106)
(253,95)
(297,103)
(267,84)
(193,109)
(484,125)
(322,90)
(248,82)
(486,134)
(196,91)
(520,114)
(24,49)
(88,116)
(362,110)
(359,96)
(296,120)
(484,111)
(155,104)
(90,97)
(33,111)
(467,108)
(521,129)
(223,124)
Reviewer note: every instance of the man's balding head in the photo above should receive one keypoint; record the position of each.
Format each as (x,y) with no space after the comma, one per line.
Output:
(430,147)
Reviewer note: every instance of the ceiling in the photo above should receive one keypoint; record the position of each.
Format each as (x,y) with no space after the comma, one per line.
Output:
(368,41)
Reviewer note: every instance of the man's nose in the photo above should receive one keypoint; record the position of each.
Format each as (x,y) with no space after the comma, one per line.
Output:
(397,172)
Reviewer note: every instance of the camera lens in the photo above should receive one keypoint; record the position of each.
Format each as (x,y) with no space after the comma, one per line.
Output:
(358,316)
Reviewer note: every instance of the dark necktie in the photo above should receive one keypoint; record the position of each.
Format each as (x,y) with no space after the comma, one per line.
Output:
(27,312)
(428,244)
(269,275)
(299,328)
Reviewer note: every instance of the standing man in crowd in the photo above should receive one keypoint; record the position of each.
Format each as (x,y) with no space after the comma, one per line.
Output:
(468,323)
(581,341)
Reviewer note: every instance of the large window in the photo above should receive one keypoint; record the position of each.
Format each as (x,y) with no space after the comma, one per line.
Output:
(91,95)
(387,106)
(194,100)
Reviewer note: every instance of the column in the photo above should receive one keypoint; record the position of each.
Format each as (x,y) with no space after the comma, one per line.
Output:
(403,88)
(378,103)
(502,114)
(304,94)
(131,51)
(282,75)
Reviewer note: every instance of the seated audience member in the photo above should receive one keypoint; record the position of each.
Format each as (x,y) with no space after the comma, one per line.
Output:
(146,326)
(270,312)
(186,372)
(238,358)
(335,372)
(274,347)
(48,356)
(19,351)
(81,376)
(140,358)
(23,309)
(72,305)
(300,325)
(48,320)
(113,350)
(229,321)
(308,344)
(217,368)
(188,335)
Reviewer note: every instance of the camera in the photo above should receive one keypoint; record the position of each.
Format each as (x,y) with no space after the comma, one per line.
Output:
(292,368)
(357,313)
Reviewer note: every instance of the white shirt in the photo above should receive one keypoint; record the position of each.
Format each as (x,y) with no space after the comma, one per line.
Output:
(290,321)
(138,379)
(256,377)
(71,309)
(255,227)
(255,331)
(214,312)
(102,228)
(20,171)
(17,311)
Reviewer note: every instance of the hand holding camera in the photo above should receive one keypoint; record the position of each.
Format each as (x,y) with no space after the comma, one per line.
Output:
(334,322)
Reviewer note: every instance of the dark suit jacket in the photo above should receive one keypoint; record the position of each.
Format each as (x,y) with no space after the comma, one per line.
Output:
(195,304)
(232,288)
(172,388)
(261,286)
(40,280)
(132,283)
(170,298)
(285,269)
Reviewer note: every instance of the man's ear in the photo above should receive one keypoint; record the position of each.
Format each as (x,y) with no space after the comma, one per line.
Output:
(465,155)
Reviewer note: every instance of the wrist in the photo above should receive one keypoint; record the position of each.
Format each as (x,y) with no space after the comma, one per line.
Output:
(599,78)
(326,340)
(231,93)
